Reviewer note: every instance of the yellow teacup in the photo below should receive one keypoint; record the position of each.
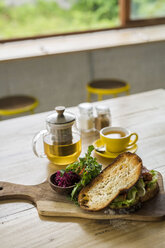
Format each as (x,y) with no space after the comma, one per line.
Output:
(117,139)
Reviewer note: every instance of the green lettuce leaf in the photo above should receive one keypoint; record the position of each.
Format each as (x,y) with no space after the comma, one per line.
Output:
(134,193)
(140,185)
(154,178)
(130,199)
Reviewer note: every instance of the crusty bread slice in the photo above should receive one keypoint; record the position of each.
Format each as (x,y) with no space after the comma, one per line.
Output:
(121,175)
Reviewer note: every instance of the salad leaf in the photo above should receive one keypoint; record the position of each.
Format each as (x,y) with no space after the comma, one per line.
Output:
(141,187)
(154,178)
(131,197)
(87,168)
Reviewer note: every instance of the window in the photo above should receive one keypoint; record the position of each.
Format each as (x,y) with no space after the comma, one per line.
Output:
(142,12)
(147,9)
(26,19)
(23,18)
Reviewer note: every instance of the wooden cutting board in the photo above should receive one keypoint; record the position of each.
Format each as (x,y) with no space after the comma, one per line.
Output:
(50,203)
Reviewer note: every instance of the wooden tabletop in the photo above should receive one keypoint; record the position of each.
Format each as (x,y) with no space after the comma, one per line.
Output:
(20,224)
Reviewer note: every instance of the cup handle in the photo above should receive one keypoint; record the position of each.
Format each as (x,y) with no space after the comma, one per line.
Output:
(134,141)
(34,143)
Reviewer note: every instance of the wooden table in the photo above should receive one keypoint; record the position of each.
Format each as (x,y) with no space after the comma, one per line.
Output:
(20,224)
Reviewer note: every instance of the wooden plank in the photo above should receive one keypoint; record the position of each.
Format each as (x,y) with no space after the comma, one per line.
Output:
(50,203)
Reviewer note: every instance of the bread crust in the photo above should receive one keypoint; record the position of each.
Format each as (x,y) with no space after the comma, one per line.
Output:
(124,171)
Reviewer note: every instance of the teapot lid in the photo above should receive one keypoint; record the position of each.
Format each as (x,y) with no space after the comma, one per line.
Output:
(59,117)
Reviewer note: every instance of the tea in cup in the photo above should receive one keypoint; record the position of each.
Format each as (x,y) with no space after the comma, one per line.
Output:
(117,139)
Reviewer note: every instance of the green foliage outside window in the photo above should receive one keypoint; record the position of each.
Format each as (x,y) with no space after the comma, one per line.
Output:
(147,9)
(46,17)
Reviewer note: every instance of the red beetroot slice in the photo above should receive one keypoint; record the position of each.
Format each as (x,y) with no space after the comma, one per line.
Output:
(65,180)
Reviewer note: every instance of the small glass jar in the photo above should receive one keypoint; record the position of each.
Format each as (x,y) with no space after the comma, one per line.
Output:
(86,117)
(103,117)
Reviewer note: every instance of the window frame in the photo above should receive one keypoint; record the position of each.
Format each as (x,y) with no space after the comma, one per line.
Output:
(125,16)
(125,22)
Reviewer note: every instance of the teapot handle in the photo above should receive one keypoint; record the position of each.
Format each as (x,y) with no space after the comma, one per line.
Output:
(34,143)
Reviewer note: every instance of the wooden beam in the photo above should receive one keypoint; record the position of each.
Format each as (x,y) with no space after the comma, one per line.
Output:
(124,11)
(146,22)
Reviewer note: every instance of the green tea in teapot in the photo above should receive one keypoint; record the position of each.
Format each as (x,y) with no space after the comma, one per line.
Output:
(61,139)
(62,154)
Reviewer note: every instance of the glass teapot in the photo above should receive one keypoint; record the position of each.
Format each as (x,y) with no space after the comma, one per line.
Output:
(62,141)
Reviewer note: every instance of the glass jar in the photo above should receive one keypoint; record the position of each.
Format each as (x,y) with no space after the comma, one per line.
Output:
(61,139)
(103,117)
(85,117)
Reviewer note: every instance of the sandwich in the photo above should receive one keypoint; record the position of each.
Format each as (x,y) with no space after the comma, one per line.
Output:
(124,184)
